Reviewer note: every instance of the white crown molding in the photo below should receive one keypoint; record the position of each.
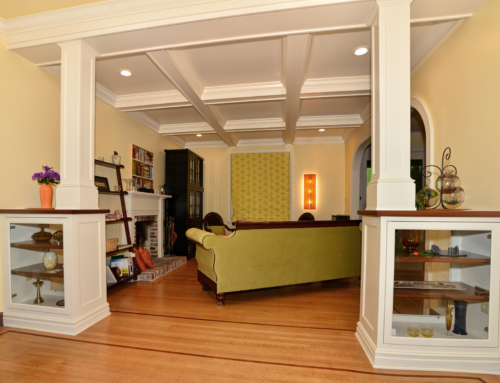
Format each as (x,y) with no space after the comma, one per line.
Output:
(2,26)
(366,112)
(205,144)
(262,142)
(348,134)
(428,43)
(318,140)
(151,100)
(372,18)
(342,86)
(188,128)
(104,94)
(177,140)
(145,120)
(247,92)
(312,122)
(253,125)
(126,15)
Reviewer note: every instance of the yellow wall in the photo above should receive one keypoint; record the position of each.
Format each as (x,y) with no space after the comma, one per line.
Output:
(459,83)
(115,131)
(326,161)
(29,125)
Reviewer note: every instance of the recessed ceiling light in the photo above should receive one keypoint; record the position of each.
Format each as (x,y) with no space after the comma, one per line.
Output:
(360,51)
(126,73)
(322,130)
(198,135)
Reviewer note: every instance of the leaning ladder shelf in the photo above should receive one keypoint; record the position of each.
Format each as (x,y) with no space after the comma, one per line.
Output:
(124,220)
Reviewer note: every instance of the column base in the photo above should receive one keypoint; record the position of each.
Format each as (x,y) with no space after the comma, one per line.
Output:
(396,357)
(65,326)
(77,197)
(391,195)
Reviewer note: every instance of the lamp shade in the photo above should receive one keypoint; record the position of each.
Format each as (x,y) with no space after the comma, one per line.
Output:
(309,191)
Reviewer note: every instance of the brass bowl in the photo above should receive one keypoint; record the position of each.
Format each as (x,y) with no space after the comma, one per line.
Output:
(41,236)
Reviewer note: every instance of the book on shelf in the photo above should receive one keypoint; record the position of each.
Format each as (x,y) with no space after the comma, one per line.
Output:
(123,266)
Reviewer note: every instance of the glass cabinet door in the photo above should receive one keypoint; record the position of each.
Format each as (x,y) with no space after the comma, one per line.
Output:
(37,264)
(441,291)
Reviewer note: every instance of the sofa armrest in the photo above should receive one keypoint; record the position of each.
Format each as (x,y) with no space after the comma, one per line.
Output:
(197,235)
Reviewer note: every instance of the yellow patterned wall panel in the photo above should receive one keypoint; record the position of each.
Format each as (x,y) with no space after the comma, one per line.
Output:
(260,186)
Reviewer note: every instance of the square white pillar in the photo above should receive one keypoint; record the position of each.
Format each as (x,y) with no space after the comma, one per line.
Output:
(77,190)
(391,187)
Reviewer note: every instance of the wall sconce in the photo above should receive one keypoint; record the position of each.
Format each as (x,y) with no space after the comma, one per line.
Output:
(310,191)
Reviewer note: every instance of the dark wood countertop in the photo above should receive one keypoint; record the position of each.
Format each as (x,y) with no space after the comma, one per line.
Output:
(53,211)
(430,213)
(249,225)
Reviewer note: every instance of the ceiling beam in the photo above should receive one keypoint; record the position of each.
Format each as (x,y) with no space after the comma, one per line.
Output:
(186,82)
(295,57)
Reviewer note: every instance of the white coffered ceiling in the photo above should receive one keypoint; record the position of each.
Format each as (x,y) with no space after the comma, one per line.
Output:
(257,75)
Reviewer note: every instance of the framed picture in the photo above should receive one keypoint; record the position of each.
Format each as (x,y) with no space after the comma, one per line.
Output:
(101,183)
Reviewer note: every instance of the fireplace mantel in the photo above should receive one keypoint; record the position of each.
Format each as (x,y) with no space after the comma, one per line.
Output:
(149,204)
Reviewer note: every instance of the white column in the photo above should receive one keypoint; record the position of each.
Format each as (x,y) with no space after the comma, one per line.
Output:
(391,187)
(77,190)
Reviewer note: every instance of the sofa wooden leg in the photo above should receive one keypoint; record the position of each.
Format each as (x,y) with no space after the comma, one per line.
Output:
(220,299)
(204,286)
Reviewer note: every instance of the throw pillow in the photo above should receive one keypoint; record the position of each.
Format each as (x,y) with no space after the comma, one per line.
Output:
(219,230)
(146,257)
(138,259)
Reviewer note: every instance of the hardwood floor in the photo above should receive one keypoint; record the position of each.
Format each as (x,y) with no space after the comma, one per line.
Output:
(172,331)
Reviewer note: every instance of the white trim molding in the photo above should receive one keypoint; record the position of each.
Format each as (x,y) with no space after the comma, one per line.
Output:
(102,93)
(253,125)
(205,144)
(189,128)
(318,140)
(262,142)
(144,119)
(151,100)
(244,93)
(433,37)
(337,86)
(312,122)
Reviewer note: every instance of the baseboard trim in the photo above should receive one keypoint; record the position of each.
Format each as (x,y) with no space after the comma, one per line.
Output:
(57,326)
(413,359)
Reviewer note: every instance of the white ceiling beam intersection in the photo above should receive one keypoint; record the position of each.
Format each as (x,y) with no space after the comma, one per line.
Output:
(340,121)
(296,51)
(190,88)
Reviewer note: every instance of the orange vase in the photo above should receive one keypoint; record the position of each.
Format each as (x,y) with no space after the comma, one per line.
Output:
(46,196)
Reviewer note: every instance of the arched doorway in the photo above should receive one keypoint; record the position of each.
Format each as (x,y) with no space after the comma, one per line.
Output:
(422,149)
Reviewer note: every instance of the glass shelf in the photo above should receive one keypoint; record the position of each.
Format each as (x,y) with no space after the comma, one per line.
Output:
(426,287)
(31,282)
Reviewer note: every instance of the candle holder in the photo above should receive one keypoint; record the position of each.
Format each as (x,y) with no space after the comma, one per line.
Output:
(451,195)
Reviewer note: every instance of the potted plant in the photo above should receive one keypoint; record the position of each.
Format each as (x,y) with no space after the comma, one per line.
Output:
(46,179)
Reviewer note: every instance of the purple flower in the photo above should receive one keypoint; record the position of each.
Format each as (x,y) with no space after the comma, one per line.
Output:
(47,177)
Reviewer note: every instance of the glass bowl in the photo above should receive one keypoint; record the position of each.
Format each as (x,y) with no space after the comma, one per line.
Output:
(448,183)
(427,198)
(455,199)
(427,330)
(413,330)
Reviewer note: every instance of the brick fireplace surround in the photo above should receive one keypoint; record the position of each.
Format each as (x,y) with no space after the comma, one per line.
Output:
(143,207)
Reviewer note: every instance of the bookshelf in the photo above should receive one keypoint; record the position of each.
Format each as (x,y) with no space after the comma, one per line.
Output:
(142,167)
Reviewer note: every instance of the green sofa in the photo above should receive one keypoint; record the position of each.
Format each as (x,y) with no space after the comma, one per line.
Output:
(265,255)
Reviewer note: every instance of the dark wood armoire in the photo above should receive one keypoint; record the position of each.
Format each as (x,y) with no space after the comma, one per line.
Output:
(184,182)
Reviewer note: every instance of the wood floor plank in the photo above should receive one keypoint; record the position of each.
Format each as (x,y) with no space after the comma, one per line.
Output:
(172,331)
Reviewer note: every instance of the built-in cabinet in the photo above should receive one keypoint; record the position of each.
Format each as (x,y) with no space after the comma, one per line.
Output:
(184,182)
(67,298)
(450,321)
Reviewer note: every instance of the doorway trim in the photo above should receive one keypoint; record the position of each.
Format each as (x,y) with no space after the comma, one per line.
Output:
(365,140)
